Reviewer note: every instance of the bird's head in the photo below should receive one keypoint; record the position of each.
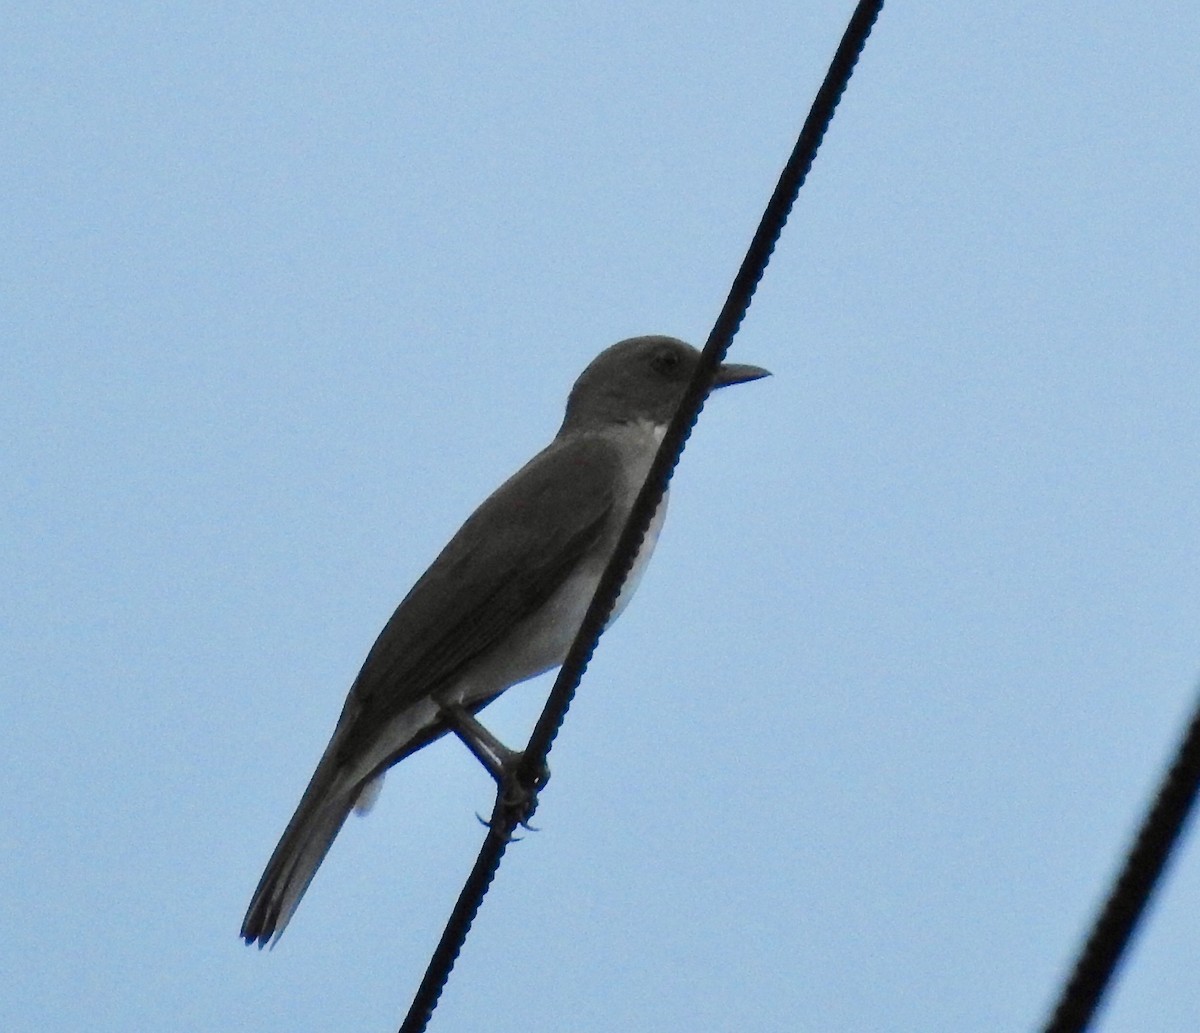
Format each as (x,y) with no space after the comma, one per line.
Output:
(641,380)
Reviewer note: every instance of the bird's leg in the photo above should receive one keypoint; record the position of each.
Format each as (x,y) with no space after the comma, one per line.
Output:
(498,760)
(488,750)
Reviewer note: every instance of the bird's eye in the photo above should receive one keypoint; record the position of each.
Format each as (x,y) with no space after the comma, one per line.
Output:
(665,362)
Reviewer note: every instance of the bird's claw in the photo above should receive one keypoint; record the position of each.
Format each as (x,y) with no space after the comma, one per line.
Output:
(489,825)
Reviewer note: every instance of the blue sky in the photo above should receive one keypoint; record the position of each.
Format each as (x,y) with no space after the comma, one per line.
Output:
(288,289)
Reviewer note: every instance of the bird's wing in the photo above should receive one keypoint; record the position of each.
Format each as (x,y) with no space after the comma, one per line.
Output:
(504,563)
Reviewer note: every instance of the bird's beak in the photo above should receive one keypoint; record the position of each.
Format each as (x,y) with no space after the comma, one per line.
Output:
(738,373)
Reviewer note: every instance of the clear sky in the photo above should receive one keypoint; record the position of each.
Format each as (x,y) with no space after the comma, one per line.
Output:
(287,289)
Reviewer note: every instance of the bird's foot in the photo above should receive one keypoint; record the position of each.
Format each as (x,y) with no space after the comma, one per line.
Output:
(516,796)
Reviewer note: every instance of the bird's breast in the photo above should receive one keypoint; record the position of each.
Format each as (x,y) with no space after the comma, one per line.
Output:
(634,577)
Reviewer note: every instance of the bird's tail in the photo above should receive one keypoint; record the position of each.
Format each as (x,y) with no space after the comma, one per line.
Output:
(323,808)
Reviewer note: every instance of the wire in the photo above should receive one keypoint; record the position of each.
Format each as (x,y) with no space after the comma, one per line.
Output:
(504,819)
(1131,893)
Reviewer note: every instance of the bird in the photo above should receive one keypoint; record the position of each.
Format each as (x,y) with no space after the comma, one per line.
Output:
(501,603)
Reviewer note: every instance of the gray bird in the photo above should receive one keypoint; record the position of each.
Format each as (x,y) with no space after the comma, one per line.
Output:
(501,603)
